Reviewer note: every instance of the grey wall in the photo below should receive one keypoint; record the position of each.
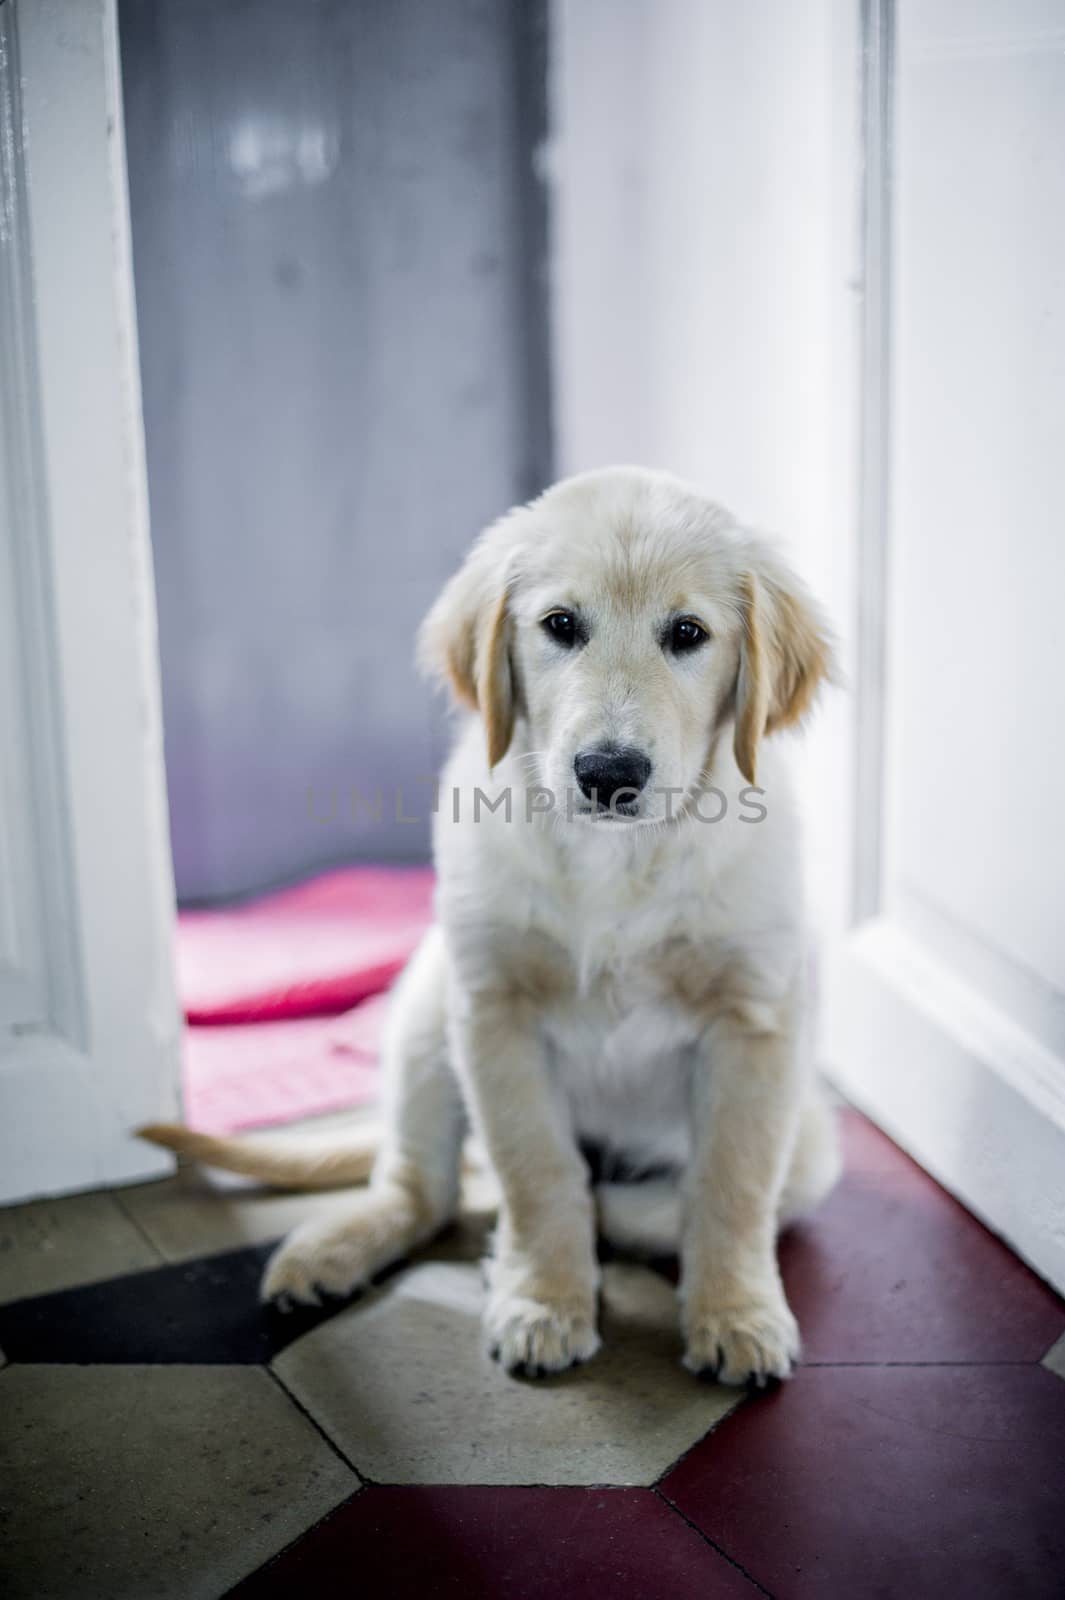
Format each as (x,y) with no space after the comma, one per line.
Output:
(338,245)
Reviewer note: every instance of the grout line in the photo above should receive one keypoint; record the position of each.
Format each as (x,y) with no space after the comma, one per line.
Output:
(705,1537)
(1056,1346)
(276,1557)
(316,1425)
(744,1395)
(606,1485)
(136,1223)
(588,1488)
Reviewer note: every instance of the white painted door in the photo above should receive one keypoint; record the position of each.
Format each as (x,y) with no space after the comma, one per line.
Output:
(89,1025)
(946,1007)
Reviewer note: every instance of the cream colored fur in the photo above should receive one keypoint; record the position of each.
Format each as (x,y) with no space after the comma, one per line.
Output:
(634,982)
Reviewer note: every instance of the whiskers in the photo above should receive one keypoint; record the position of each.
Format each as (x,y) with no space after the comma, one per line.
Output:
(531,758)
(530,765)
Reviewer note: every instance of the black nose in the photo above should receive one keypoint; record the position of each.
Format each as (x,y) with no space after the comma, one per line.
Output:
(602,774)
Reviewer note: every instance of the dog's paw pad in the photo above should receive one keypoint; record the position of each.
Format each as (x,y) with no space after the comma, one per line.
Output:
(757,1344)
(309,1269)
(530,1339)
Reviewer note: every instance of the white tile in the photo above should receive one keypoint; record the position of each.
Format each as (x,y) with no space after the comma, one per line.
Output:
(58,1244)
(171,1482)
(402,1383)
(1055,1357)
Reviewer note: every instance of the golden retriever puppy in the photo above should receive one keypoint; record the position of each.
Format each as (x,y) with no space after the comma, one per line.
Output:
(618,955)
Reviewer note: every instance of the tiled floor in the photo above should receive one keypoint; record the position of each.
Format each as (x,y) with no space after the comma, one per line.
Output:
(162,1435)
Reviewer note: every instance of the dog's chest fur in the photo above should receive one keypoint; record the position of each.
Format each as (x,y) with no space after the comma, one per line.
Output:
(623,993)
(624,948)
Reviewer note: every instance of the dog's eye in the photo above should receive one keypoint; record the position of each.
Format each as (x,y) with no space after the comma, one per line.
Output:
(685,634)
(562,626)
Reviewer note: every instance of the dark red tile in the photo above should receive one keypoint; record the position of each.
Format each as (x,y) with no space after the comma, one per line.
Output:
(501,1544)
(879,1482)
(891,1268)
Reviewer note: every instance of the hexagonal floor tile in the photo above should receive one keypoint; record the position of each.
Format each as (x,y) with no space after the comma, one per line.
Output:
(202,1309)
(403,1385)
(169,1482)
(205,1311)
(927,1482)
(892,1268)
(1054,1360)
(47,1245)
(481,1544)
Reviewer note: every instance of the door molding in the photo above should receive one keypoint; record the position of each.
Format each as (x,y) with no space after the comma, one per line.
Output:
(89,1021)
(953,1066)
(874,448)
(40,963)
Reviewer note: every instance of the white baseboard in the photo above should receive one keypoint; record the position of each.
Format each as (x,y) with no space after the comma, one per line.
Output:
(973,1098)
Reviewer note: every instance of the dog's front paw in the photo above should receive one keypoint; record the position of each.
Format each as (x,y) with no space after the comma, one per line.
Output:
(532,1338)
(748,1343)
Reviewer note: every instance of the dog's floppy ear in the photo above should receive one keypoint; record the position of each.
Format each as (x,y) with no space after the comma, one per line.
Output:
(465,641)
(785,654)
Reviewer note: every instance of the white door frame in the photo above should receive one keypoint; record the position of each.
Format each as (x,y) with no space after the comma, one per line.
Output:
(89,1020)
(953,1077)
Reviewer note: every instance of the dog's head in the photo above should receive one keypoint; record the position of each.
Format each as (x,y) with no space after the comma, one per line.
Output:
(626,621)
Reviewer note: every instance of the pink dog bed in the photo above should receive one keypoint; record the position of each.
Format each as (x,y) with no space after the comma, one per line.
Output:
(264,986)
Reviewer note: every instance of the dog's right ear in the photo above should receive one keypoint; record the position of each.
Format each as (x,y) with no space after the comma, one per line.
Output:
(465,641)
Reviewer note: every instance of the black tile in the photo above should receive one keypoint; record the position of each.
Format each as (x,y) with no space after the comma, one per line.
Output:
(195,1311)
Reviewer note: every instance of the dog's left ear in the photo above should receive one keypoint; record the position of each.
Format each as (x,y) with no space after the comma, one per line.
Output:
(786,653)
(465,641)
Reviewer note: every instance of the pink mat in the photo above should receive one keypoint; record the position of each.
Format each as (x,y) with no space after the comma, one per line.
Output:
(320,947)
(254,1074)
(262,985)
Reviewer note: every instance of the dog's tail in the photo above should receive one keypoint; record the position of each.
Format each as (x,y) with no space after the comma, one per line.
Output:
(279,1160)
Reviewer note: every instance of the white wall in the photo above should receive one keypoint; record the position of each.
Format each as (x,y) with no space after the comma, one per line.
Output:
(706,222)
(338,261)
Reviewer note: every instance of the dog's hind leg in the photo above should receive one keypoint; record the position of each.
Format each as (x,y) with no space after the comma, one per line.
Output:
(413,1190)
(644,1219)
(816,1162)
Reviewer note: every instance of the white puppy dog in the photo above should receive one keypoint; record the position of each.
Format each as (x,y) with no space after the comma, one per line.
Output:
(618,956)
